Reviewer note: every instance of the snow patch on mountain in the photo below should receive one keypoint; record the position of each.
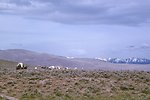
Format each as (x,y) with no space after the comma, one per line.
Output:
(131,60)
(70,57)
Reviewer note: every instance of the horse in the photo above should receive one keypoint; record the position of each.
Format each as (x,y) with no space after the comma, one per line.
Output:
(21,66)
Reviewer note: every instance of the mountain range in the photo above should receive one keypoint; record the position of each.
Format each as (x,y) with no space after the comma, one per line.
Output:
(131,60)
(43,59)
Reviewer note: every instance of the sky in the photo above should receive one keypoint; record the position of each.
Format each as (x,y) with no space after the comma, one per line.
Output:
(78,28)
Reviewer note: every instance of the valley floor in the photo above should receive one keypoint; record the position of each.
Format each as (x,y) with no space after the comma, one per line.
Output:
(75,85)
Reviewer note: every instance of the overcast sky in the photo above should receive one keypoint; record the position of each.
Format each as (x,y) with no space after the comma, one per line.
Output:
(80,28)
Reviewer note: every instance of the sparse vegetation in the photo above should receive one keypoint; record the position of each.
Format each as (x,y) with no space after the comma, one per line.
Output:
(73,84)
(76,85)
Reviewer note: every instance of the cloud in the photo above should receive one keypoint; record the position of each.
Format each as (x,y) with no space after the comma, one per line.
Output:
(119,12)
(78,52)
(16,44)
(132,46)
(144,46)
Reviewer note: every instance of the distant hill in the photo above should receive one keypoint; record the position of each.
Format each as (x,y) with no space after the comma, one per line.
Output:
(34,58)
(9,65)
(43,59)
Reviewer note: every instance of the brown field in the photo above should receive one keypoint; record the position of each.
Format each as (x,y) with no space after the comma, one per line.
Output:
(40,84)
(75,85)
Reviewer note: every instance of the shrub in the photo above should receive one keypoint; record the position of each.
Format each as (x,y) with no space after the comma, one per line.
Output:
(146,91)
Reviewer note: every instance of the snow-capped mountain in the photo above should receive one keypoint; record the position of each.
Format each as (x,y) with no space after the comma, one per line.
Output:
(102,59)
(132,60)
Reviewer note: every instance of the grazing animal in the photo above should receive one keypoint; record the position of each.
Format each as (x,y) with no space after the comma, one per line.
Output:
(43,67)
(75,68)
(52,67)
(66,68)
(21,66)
